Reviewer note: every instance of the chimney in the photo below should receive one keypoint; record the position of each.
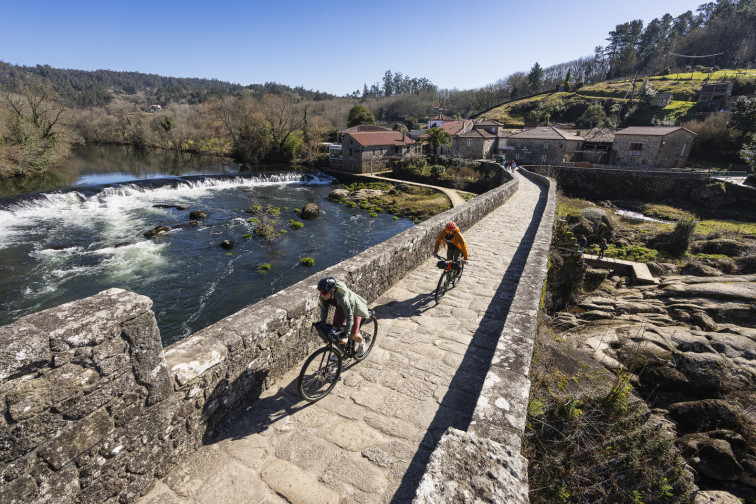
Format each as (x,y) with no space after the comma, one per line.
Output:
(403,137)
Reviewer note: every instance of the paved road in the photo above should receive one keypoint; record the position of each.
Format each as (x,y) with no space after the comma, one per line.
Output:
(368,442)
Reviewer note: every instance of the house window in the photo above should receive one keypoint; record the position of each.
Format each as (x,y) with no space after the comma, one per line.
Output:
(469,143)
(518,145)
(545,145)
(350,152)
(543,158)
(682,151)
(635,149)
(517,157)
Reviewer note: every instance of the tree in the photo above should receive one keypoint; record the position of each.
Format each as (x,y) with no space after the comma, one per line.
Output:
(534,78)
(743,116)
(280,118)
(436,137)
(567,80)
(594,116)
(748,153)
(359,114)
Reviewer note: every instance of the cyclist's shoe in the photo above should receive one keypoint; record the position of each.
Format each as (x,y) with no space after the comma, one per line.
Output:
(360,350)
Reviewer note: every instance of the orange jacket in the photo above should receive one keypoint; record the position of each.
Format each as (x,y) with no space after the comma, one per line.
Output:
(457,240)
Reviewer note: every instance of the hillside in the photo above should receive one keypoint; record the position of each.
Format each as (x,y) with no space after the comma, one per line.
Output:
(623,98)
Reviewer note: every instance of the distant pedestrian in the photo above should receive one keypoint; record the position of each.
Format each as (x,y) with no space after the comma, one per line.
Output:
(582,244)
(602,247)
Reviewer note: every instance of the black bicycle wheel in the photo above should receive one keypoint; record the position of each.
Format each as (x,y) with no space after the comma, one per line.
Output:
(456,278)
(319,374)
(369,333)
(443,284)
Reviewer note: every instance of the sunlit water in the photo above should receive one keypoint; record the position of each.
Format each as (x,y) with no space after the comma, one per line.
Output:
(59,247)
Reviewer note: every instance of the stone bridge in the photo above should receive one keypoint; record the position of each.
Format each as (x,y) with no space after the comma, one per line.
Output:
(95,411)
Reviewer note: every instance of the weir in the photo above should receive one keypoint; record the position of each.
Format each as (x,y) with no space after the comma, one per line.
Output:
(95,411)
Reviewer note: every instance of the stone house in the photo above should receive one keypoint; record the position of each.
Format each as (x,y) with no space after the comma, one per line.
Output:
(368,151)
(543,145)
(652,146)
(481,142)
(454,128)
(438,120)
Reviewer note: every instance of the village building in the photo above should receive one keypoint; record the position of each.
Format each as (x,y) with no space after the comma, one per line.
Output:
(543,145)
(653,146)
(369,151)
(597,146)
(438,120)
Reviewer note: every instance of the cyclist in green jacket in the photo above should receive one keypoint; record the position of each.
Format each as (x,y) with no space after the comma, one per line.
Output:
(350,308)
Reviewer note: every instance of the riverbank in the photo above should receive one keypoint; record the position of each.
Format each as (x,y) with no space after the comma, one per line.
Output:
(646,391)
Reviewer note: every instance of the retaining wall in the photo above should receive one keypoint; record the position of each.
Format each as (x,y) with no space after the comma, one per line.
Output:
(93,410)
(650,185)
(484,464)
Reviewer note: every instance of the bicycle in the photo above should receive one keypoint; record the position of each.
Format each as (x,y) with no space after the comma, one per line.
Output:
(322,369)
(449,277)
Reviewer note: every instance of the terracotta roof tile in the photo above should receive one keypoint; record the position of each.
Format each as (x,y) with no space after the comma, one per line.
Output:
(651,130)
(372,138)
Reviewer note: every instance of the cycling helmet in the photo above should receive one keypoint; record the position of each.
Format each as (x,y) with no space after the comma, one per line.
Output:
(451,226)
(326,285)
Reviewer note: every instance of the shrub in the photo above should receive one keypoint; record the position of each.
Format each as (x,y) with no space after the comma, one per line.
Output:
(247,236)
(265,230)
(437,171)
(682,235)
(254,209)
(263,268)
(373,214)
(294,224)
(307,261)
(253,219)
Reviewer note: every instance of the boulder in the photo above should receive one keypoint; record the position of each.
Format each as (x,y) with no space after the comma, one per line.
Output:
(595,223)
(697,269)
(748,463)
(712,195)
(156,231)
(710,457)
(704,415)
(593,277)
(661,269)
(338,194)
(310,211)
(197,215)
(227,244)
(722,246)
(716,497)
(746,265)
(664,379)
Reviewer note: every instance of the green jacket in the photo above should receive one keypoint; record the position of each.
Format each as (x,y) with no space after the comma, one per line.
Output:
(351,305)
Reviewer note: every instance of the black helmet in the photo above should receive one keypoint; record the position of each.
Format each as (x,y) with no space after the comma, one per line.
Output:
(326,284)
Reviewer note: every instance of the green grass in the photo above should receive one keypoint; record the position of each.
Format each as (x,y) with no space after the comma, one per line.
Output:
(263,268)
(307,261)
(726,227)
(664,212)
(295,224)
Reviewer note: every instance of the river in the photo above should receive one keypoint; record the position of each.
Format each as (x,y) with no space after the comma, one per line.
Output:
(67,244)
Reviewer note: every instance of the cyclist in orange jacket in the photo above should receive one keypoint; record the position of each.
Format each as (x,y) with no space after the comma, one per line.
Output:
(451,238)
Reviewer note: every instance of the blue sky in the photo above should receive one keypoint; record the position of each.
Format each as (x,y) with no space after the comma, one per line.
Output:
(321,45)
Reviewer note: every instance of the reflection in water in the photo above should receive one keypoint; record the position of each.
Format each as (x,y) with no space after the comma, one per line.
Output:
(105,164)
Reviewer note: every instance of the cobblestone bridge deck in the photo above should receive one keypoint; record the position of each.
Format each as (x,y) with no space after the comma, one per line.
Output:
(369,441)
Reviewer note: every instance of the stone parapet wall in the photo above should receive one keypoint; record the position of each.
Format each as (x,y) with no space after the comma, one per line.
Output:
(94,410)
(491,445)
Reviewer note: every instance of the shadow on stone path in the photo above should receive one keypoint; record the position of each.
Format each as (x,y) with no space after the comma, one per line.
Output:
(466,385)
(369,440)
